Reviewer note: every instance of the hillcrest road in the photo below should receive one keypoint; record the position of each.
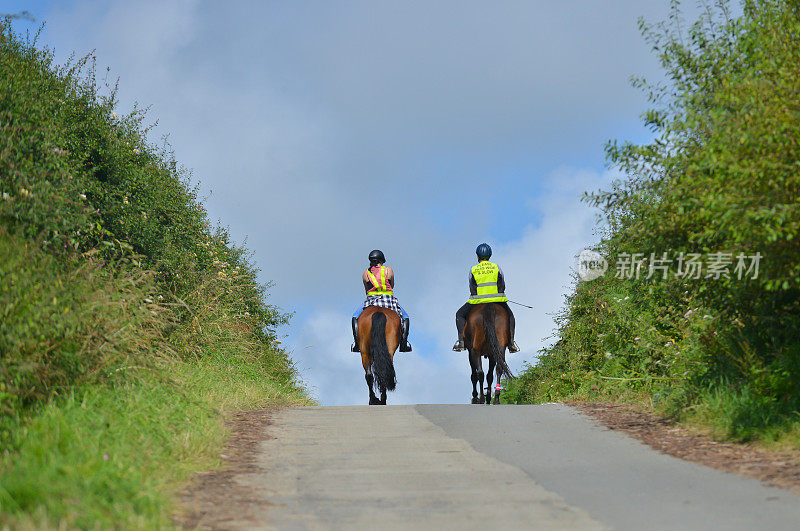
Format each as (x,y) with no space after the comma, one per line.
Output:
(487,467)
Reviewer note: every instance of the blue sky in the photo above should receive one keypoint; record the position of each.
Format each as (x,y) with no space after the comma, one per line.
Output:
(322,130)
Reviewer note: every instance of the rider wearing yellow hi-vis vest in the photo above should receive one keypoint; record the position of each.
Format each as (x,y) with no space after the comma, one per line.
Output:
(486,284)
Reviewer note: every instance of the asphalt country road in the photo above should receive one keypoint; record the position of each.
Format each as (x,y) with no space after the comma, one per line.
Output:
(478,467)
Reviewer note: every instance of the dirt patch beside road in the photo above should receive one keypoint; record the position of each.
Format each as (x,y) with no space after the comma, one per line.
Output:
(778,469)
(201,506)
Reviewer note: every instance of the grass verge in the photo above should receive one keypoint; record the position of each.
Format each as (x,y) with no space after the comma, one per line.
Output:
(115,455)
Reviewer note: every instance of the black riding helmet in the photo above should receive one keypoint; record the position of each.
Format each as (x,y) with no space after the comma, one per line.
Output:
(484,251)
(376,257)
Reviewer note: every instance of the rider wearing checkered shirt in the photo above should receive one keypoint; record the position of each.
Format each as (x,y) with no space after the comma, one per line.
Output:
(378,282)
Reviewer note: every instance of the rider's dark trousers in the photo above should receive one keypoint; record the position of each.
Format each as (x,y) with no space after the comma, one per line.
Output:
(461,318)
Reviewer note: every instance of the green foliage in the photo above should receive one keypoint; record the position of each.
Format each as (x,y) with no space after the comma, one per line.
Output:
(127,322)
(97,457)
(111,456)
(69,324)
(81,184)
(721,175)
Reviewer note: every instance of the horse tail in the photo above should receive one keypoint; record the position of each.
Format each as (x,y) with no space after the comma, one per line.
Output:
(382,366)
(494,345)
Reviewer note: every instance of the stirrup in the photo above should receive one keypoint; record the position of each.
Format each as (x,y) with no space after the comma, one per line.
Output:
(513,347)
(459,346)
(354,347)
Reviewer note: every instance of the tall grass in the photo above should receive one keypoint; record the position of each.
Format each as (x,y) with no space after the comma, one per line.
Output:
(128,323)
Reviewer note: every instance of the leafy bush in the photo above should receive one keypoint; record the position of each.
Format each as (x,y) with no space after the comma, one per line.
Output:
(117,248)
(721,176)
(127,322)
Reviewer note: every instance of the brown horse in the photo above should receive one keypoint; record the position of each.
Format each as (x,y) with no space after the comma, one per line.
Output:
(378,338)
(486,335)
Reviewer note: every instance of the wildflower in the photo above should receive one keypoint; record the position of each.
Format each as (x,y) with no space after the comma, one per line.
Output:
(688,313)
(114,115)
(607,355)
(83,197)
(125,200)
(247,314)
(668,344)
(637,338)
(24,192)
(6,197)
(148,301)
(136,151)
(706,316)
(161,297)
(144,215)
(105,457)
(123,300)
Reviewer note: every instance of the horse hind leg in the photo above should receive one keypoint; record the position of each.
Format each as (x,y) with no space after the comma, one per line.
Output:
(373,400)
(489,381)
(497,391)
(476,380)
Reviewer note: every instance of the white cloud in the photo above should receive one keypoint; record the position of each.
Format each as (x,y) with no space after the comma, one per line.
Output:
(327,131)
(538,269)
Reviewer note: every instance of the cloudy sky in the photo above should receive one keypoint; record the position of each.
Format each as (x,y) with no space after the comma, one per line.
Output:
(322,130)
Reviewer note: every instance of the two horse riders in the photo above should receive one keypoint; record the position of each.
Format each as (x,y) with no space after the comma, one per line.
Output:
(378,282)
(486,284)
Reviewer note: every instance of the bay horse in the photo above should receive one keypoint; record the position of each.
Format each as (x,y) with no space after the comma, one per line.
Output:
(378,338)
(486,336)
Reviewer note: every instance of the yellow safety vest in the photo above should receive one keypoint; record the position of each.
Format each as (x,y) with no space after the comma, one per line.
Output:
(385,287)
(486,274)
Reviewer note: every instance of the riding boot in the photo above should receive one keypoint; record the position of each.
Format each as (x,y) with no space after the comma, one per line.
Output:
(355,348)
(404,345)
(459,346)
(512,345)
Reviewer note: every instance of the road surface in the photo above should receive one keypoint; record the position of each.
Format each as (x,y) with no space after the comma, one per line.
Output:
(446,467)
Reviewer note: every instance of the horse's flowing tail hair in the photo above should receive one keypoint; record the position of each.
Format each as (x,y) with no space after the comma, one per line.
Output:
(382,366)
(494,345)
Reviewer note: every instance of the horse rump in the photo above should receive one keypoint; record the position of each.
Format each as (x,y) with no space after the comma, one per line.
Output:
(382,366)
(494,344)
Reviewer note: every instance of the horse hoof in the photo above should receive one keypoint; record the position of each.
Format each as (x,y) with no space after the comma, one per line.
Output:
(374,402)
(476,401)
